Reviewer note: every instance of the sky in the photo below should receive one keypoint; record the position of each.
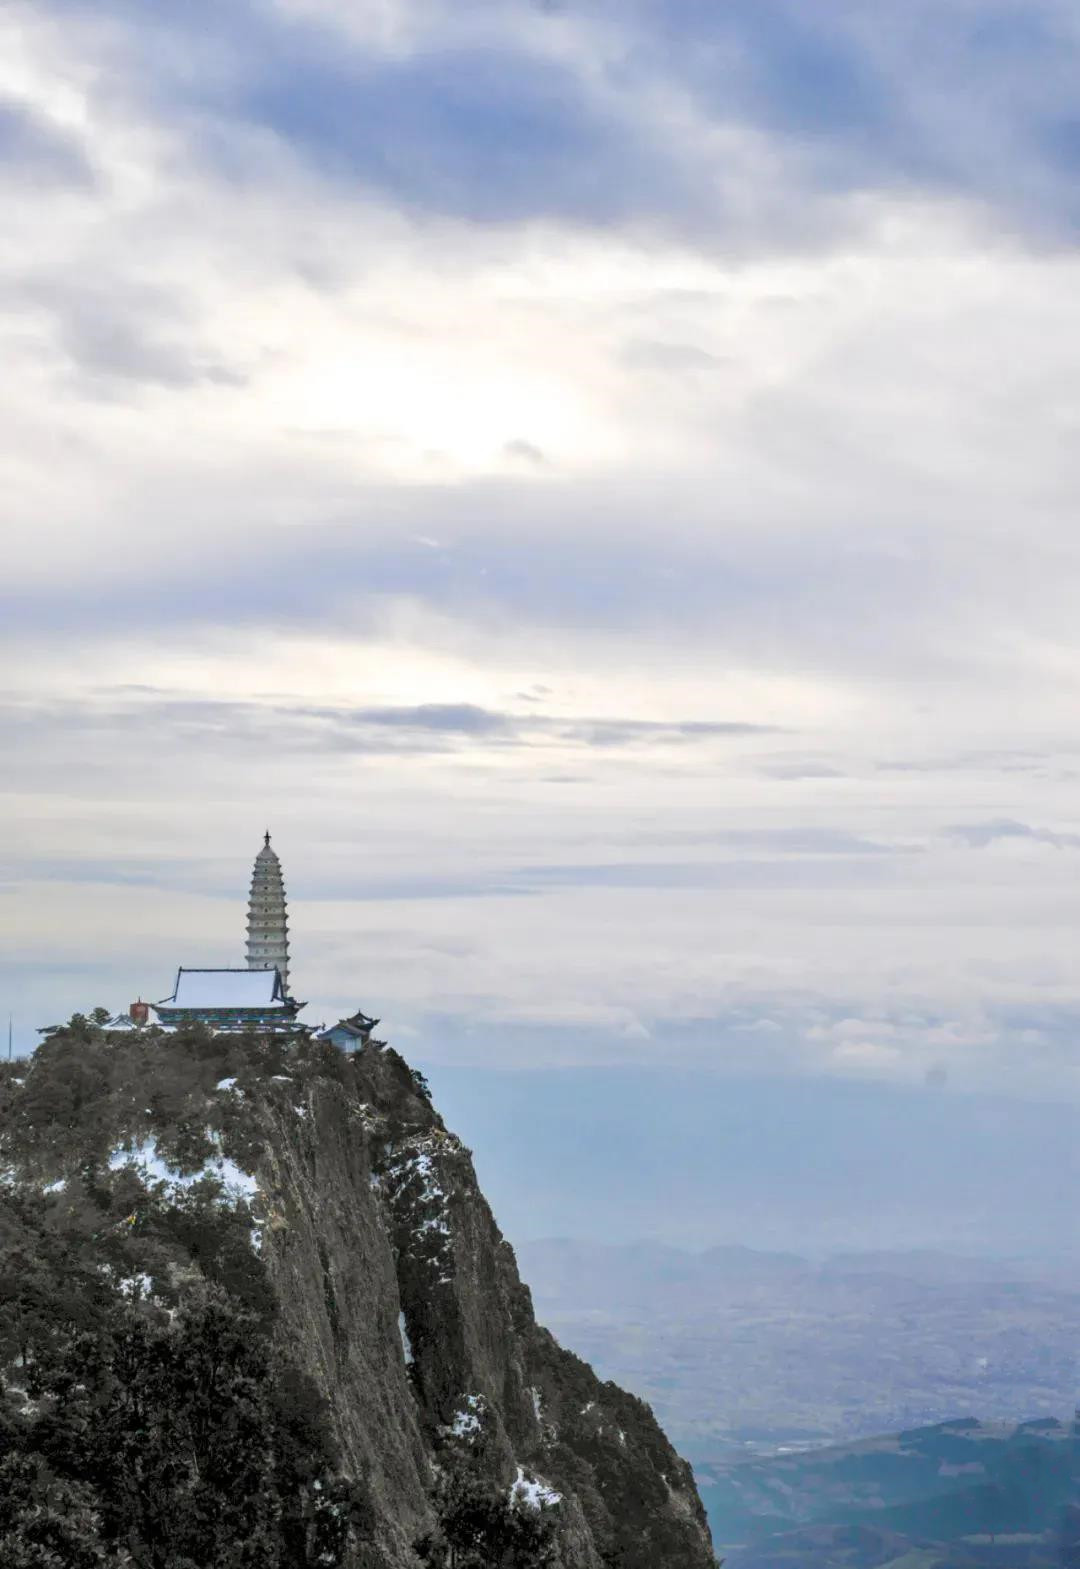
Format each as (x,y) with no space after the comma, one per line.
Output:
(598,481)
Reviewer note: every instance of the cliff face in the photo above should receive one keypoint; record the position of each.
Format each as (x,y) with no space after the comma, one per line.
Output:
(355,1232)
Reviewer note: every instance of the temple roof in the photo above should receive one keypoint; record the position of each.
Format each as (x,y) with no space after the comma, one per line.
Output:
(226,989)
(357,1024)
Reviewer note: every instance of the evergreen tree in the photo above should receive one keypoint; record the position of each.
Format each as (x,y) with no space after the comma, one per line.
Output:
(170,1442)
(478,1527)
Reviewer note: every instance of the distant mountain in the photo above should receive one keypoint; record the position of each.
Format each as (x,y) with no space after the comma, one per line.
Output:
(647,1277)
(952,1496)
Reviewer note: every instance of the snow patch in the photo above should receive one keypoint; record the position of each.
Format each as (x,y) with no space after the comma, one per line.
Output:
(535,1393)
(413,1181)
(55,1187)
(144,1155)
(225,1084)
(406,1343)
(136,1286)
(29,1407)
(469,1419)
(240,1183)
(533,1492)
(145,1158)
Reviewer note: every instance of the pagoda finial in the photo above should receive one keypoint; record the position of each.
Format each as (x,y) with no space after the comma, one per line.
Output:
(266,837)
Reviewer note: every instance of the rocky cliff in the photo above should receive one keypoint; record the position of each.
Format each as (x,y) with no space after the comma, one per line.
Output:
(272,1261)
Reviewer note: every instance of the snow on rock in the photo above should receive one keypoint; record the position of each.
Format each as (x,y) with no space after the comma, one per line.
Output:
(421,1165)
(145,1158)
(469,1418)
(239,1183)
(55,1187)
(413,1184)
(27,1407)
(533,1492)
(144,1155)
(225,1084)
(406,1343)
(136,1286)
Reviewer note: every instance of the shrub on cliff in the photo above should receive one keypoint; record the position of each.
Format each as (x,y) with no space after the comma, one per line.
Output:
(480,1528)
(170,1439)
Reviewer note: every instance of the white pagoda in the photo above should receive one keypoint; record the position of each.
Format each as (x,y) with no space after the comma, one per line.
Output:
(268,921)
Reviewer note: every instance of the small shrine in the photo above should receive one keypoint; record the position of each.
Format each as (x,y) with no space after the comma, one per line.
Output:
(351,1032)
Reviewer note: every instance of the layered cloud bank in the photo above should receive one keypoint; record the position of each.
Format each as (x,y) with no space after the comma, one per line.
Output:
(599,480)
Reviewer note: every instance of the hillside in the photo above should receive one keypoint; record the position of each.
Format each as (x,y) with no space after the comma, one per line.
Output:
(958,1495)
(257,1312)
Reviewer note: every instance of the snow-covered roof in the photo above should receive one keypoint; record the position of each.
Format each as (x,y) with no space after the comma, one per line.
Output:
(226,989)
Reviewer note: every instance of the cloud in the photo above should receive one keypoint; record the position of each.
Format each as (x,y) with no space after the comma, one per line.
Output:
(741,873)
(527,452)
(108,716)
(566,468)
(487,134)
(674,358)
(978,836)
(144,336)
(752,122)
(30,147)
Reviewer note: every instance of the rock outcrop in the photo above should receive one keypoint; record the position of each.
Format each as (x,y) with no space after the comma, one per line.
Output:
(356,1227)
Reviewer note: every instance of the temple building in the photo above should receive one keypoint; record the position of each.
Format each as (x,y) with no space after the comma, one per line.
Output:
(229,1000)
(253,998)
(351,1033)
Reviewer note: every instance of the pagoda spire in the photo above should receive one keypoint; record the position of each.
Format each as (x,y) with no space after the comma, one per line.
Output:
(268,921)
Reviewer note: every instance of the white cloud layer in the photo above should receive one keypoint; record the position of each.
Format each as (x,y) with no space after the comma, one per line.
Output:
(647,624)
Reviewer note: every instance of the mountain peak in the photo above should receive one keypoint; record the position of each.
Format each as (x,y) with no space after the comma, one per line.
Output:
(300,1221)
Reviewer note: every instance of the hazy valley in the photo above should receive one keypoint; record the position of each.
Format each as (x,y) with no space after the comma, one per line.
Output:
(806,1392)
(736,1347)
